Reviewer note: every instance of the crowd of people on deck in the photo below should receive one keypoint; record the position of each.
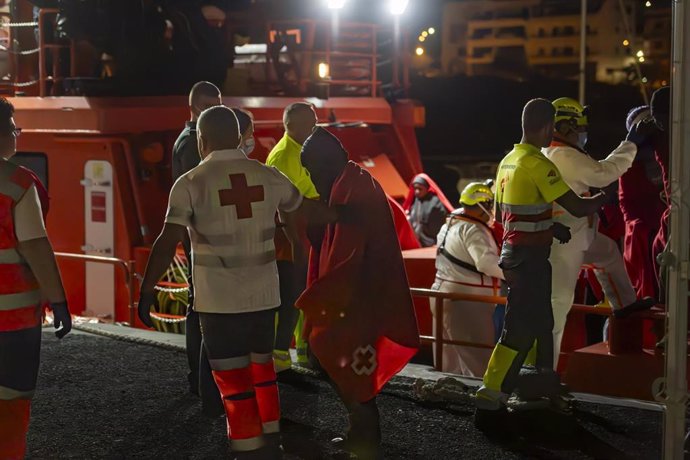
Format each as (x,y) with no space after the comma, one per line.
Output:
(308,245)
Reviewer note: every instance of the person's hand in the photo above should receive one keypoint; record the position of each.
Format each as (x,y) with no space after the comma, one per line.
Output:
(62,320)
(560,232)
(146,301)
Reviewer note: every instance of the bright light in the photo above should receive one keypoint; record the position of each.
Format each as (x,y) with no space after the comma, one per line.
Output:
(664,83)
(644,79)
(640,53)
(335,4)
(323,70)
(421,38)
(432,31)
(397,7)
(425,34)
(626,42)
(648,4)
(641,59)
(419,51)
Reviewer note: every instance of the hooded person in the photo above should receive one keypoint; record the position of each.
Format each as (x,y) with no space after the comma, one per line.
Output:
(467,262)
(639,197)
(658,125)
(427,208)
(361,320)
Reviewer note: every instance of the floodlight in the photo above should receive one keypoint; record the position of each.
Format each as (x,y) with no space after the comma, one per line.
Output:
(335,4)
(419,51)
(323,70)
(397,7)
(432,31)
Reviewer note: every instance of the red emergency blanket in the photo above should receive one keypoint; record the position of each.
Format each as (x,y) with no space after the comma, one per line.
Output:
(362,325)
(434,189)
(406,236)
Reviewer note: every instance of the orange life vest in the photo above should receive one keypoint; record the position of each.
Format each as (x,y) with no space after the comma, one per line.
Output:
(20,295)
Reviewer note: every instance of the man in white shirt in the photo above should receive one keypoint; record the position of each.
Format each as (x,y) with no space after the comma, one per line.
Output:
(587,245)
(467,262)
(228,204)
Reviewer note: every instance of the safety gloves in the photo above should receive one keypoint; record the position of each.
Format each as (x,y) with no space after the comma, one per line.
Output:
(146,301)
(561,232)
(62,320)
(640,132)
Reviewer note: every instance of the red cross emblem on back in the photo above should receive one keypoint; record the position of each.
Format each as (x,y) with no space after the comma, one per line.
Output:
(241,196)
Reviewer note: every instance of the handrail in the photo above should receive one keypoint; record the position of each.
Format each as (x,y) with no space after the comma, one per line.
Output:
(127,267)
(439,341)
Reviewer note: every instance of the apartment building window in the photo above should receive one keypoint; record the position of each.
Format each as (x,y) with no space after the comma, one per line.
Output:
(541,33)
(568,30)
(541,52)
(568,51)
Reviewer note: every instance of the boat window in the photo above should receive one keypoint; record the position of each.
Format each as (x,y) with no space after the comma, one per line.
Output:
(35,161)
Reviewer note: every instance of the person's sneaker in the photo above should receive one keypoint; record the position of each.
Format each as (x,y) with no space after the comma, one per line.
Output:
(639,305)
(281,361)
(303,356)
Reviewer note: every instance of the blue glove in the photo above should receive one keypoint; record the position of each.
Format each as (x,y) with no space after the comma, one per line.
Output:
(146,301)
(62,320)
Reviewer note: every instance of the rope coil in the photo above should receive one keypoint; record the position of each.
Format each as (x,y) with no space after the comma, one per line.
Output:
(170,319)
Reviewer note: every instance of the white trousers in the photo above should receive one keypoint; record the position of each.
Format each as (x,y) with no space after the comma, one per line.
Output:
(566,261)
(467,322)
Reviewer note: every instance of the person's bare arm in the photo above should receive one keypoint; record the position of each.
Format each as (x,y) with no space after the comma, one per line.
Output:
(39,254)
(162,252)
(581,206)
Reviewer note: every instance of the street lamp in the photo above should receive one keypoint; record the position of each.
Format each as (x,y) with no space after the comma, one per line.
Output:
(419,51)
(397,7)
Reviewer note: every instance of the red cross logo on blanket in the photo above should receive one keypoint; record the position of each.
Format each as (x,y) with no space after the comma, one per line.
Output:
(364,360)
(241,196)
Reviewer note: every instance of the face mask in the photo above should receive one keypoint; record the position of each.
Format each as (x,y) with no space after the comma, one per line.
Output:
(249,146)
(581,139)
(492,219)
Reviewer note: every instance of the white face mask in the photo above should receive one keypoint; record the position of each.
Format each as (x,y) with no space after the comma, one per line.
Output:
(582,139)
(492,219)
(249,146)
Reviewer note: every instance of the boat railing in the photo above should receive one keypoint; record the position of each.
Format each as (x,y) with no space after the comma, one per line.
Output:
(127,267)
(618,340)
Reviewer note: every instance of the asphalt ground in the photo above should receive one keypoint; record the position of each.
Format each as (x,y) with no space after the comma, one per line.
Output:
(101,398)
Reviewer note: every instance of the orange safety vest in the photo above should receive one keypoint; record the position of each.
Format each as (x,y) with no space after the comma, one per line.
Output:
(20,294)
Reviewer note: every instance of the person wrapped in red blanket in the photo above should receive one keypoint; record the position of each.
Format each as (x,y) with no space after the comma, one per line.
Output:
(361,320)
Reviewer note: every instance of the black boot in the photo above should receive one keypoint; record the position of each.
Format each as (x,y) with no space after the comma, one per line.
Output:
(639,305)
(364,434)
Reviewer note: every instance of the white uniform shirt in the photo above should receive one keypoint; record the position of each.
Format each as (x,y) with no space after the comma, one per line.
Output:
(580,172)
(28,219)
(470,242)
(229,203)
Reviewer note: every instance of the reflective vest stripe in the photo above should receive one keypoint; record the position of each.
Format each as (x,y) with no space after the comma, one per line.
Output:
(20,300)
(10,256)
(209,260)
(21,318)
(526,209)
(528,226)
(228,239)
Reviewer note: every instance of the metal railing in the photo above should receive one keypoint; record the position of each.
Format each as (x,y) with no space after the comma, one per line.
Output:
(438,341)
(126,266)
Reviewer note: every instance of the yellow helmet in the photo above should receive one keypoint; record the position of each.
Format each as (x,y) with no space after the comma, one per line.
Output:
(570,109)
(476,192)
